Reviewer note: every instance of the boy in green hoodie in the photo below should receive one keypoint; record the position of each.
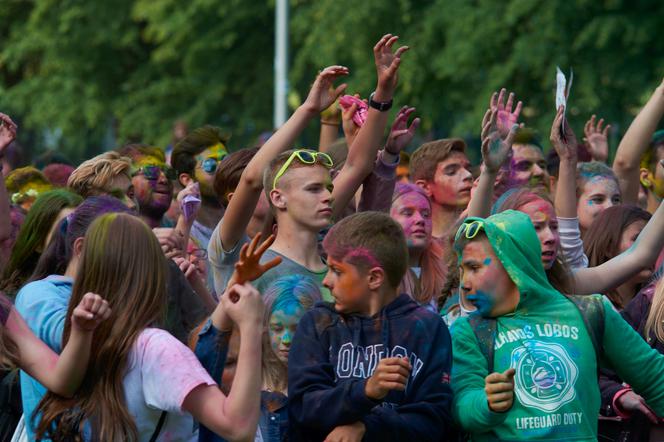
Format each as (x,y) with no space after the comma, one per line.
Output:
(538,378)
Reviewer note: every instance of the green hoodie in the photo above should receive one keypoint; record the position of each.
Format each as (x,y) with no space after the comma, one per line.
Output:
(556,395)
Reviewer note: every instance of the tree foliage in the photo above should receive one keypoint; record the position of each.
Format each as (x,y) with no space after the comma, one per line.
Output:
(85,67)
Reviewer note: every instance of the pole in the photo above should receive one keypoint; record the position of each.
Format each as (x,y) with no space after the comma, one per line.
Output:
(280,62)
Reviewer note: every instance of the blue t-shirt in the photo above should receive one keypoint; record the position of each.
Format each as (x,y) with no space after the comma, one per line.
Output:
(43,305)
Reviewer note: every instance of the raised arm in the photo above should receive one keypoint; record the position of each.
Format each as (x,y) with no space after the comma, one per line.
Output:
(64,374)
(243,203)
(499,127)
(7,135)
(642,254)
(566,147)
(634,144)
(236,416)
(330,119)
(597,139)
(378,187)
(362,152)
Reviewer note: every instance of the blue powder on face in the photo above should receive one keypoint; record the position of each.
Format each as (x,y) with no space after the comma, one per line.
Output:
(487,261)
(483,302)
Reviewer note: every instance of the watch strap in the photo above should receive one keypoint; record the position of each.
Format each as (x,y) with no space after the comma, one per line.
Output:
(381,106)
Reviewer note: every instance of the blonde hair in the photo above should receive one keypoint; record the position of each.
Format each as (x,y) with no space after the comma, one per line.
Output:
(655,322)
(95,175)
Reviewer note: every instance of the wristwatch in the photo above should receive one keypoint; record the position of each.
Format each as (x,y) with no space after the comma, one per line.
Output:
(381,106)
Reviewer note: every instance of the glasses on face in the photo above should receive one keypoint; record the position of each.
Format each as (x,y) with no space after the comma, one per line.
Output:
(209,165)
(469,229)
(151,172)
(306,157)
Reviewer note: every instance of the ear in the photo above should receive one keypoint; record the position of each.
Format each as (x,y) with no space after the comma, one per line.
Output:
(645,178)
(278,199)
(78,246)
(185,179)
(377,278)
(229,195)
(425,185)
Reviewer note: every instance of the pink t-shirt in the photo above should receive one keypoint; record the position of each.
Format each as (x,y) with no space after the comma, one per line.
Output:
(161,373)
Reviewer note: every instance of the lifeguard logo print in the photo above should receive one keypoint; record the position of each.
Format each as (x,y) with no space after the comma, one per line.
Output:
(545,375)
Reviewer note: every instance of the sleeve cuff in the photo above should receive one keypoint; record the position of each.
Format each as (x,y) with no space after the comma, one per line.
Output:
(617,408)
(361,402)
(384,168)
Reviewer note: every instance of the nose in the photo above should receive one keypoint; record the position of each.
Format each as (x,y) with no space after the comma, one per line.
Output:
(548,237)
(162,178)
(537,170)
(467,175)
(327,281)
(418,218)
(286,338)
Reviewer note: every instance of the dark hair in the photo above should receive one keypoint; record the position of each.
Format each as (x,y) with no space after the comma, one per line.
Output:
(559,274)
(183,157)
(51,157)
(32,236)
(57,255)
(370,239)
(227,176)
(602,239)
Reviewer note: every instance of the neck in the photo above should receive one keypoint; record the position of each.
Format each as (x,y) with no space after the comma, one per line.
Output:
(298,244)
(626,292)
(72,268)
(653,202)
(444,218)
(415,257)
(380,299)
(153,223)
(209,214)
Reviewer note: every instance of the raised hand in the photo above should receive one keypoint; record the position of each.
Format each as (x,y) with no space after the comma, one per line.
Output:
(566,146)
(248,267)
(387,65)
(7,132)
(597,139)
(171,241)
(323,93)
(243,304)
(495,149)
(505,116)
(390,374)
(90,312)
(348,121)
(401,134)
(499,389)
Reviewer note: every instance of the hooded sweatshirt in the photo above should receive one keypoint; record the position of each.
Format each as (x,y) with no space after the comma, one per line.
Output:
(556,396)
(332,355)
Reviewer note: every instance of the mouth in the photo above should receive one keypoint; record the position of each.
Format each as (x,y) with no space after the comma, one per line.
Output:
(549,255)
(466,189)
(326,212)
(418,234)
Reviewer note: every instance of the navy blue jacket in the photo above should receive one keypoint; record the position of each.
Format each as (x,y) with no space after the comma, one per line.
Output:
(332,355)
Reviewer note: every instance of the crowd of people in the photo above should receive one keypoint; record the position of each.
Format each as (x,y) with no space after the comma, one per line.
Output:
(342,293)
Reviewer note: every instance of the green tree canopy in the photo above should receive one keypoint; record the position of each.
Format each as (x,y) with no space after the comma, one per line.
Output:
(134,66)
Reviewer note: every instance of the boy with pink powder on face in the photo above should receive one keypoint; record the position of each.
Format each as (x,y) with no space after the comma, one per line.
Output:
(442,169)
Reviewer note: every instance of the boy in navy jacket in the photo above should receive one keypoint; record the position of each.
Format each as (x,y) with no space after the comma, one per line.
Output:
(373,365)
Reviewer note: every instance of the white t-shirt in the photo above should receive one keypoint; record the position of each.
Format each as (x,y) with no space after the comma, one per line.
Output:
(162,372)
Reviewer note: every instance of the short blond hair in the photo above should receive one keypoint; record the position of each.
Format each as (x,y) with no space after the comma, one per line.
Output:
(95,175)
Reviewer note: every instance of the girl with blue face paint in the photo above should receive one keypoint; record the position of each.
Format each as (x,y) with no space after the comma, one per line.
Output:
(286,300)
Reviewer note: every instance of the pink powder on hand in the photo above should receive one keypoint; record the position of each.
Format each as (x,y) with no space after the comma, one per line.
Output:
(360,115)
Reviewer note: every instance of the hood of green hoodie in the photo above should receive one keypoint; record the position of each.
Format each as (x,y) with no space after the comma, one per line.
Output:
(515,243)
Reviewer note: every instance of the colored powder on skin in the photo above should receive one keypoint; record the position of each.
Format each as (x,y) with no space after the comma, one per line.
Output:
(487,261)
(147,160)
(482,301)
(363,255)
